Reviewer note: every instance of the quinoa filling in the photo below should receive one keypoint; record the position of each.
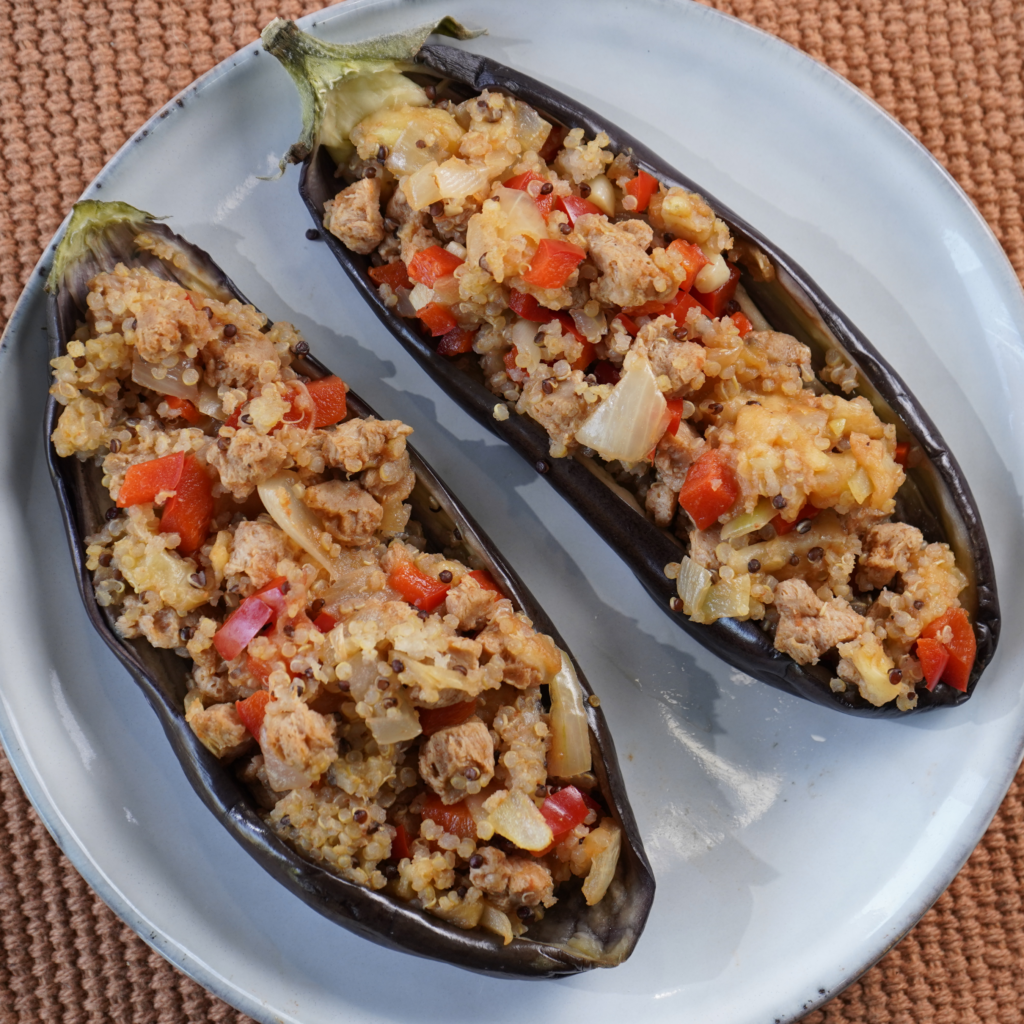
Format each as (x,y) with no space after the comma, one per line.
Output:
(393,714)
(607,307)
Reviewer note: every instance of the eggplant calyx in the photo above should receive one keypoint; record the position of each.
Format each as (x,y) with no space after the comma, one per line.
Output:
(317,66)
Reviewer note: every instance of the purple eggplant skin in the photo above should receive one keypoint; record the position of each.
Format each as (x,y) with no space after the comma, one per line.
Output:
(936,497)
(161,675)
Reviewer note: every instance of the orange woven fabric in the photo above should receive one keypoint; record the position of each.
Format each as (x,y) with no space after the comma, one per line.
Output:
(77,77)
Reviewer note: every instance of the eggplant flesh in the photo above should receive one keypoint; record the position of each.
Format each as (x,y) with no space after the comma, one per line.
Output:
(935,498)
(572,937)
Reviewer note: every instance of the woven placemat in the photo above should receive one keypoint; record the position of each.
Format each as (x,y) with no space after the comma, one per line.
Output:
(77,77)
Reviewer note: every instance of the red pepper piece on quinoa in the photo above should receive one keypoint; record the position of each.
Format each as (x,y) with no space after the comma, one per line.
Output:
(807,511)
(693,259)
(438,319)
(483,577)
(933,657)
(544,202)
(252,710)
(190,511)
(431,264)
(529,308)
(184,408)
(328,396)
(394,275)
(416,587)
(962,648)
(455,819)
(709,490)
(575,207)
(742,324)
(456,343)
(145,480)
(641,188)
(242,625)
(553,263)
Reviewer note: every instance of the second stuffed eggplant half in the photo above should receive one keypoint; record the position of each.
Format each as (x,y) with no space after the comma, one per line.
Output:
(354,681)
(685,385)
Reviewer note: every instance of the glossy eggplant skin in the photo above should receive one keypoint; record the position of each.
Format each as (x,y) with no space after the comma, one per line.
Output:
(614,925)
(936,498)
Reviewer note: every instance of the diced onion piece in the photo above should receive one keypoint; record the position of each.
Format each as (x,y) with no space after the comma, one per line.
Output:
(713,275)
(209,403)
(860,486)
(874,666)
(282,776)
(519,820)
(290,512)
(727,599)
(357,96)
(527,350)
(446,290)
(421,188)
(604,862)
(462,915)
(521,215)
(602,194)
(421,296)
(432,680)
(592,328)
(531,129)
(570,733)
(496,921)
(629,422)
(170,383)
(749,522)
(456,179)
(692,585)
(396,724)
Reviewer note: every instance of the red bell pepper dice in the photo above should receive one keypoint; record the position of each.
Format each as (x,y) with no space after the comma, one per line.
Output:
(324,622)
(902,453)
(709,490)
(681,305)
(553,263)
(251,711)
(328,396)
(145,480)
(483,577)
(641,188)
(453,818)
(400,844)
(184,408)
(259,670)
(433,719)
(693,260)
(395,275)
(628,323)
(241,626)
(716,301)
(962,648)
(516,374)
(585,358)
(416,587)
(438,319)
(675,412)
(190,512)
(545,203)
(456,343)
(529,308)
(564,810)
(933,657)
(742,324)
(429,265)
(575,207)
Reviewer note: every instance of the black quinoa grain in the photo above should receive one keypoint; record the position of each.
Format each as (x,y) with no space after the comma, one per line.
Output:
(436,209)
(585,191)
(804,526)
(815,554)
(457,533)
(389,871)
(246,419)
(461,669)
(209,312)
(198,579)
(753,401)
(186,633)
(524,913)
(431,93)
(794,559)
(919,605)
(289,630)
(675,604)
(223,443)
(115,445)
(472,774)
(370,172)
(732,306)
(285,587)
(382,684)
(312,234)
(547,188)
(373,829)
(398,665)
(541,466)
(301,348)
(316,607)
(895,676)
(716,407)
(230,330)
(566,229)
(113,513)
(105,559)
(444,576)
(462,890)
(80,361)
(778,501)
(754,565)
(476,861)
(420,144)
(547,387)
(382,153)
(359,816)
(389,702)
(423,615)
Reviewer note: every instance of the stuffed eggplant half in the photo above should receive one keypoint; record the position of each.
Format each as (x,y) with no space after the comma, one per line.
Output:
(686,386)
(354,681)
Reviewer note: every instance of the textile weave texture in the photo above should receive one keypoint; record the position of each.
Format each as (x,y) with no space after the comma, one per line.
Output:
(77,77)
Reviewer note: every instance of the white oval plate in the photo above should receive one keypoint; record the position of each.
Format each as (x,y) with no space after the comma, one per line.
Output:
(792,845)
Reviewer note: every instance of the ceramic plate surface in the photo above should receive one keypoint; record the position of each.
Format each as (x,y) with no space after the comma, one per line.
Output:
(792,845)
